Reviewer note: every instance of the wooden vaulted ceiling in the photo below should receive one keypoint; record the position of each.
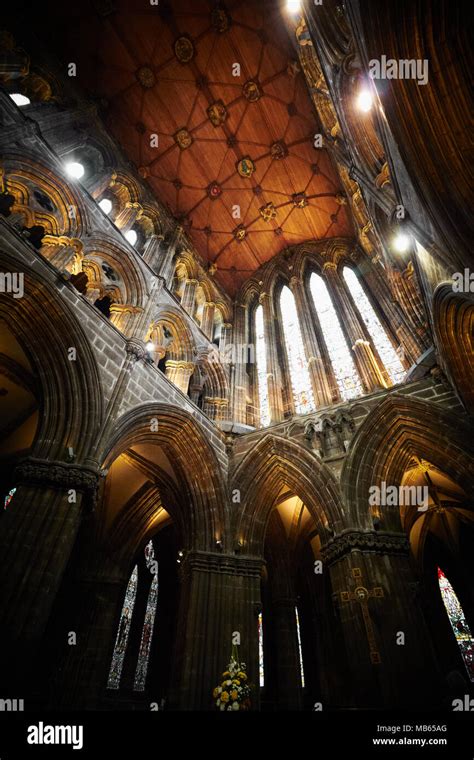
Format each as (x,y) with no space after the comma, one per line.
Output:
(225,143)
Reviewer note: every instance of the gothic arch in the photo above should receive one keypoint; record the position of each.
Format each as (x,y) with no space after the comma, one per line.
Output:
(183,347)
(21,172)
(187,447)
(71,402)
(131,285)
(391,435)
(453,317)
(275,462)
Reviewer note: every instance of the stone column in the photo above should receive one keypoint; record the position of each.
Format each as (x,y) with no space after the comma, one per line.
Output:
(308,324)
(37,536)
(369,370)
(179,372)
(229,587)
(207,322)
(273,368)
(153,252)
(64,253)
(170,246)
(225,337)
(125,317)
(387,643)
(127,217)
(216,408)
(187,301)
(240,379)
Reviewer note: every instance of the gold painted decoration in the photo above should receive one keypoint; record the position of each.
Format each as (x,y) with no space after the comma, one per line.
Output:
(184,49)
(246,167)
(220,20)
(214,190)
(217,113)
(300,200)
(268,212)
(240,233)
(252,91)
(146,77)
(278,150)
(183,138)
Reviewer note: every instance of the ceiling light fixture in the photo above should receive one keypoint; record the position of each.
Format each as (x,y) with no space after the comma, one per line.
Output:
(401,242)
(293,6)
(75,169)
(19,99)
(365,100)
(106,205)
(131,236)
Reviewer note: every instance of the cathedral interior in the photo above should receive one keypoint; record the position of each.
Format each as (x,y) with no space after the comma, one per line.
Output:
(236,355)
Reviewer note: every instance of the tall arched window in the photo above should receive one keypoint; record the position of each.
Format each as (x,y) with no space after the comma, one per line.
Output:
(120,647)
(299,374)
(382,342)
(347,377)
(121,641)
(300,650)
(261,667)
(458,622)
(147,631)
(8,498)
(261,359)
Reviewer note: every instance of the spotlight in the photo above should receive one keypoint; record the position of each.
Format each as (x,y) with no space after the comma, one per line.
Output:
(106,205)
(219,544)
(75,170)
(19,99)
(131,236)
(150,346)
(365,100)
(293,6)
(401,242)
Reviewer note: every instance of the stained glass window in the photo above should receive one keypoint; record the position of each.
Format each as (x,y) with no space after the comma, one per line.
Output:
(123,631)
(261,358)
(8,498)
(299,374)
(458,623)
(381,341)
(347,377)
(261,668)
(147,631)
(300,651)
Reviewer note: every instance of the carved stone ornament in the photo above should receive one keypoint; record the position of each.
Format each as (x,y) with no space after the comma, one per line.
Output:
(380,543)
(60,475)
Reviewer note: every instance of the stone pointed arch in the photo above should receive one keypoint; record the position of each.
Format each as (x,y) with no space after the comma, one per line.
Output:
(396,430)
(453,317)
(275,462)
(197,470)
(71,401)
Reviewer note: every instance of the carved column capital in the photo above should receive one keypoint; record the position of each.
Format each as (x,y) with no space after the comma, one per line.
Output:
(363,541)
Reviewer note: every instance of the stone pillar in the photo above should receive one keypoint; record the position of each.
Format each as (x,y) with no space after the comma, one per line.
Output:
(127,217)
(179,372)
(273,367)
(240,379)
(308,322)
(153,252)
(207,322)
(125,317)
(369,370)
(229,586)
(170,245)
(387,643)
(216,408)
(189,295)
(37,536)
(63,253)
(287,665)
(225,337)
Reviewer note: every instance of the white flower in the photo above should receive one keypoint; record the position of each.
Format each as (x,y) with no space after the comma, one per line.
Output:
(236,706)
(222,707)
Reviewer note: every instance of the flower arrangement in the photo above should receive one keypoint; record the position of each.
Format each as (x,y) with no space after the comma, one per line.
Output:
(234,691)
